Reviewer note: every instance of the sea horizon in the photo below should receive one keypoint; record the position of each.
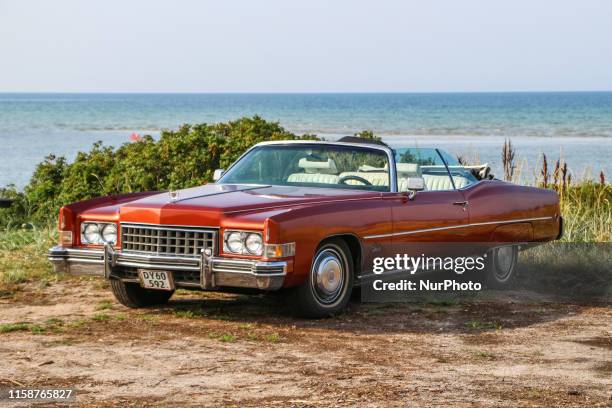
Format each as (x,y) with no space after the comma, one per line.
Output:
(573,124)
(295,92)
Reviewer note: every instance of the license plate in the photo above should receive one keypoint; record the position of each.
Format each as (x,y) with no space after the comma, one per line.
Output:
(154,279)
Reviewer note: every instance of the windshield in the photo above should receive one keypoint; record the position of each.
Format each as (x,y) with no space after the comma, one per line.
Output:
(312,165)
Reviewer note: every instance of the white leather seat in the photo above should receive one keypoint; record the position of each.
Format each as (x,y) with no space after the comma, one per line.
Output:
(434,182)
(320,172)
(313,178)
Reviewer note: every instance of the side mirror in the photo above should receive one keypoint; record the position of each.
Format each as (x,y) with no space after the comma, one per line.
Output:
(414,184)
(217,174)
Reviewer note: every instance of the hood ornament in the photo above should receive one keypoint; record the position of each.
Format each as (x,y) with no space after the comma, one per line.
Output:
(174,195)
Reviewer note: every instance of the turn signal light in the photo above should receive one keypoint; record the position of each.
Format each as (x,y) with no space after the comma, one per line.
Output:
(279,250)
(65,238)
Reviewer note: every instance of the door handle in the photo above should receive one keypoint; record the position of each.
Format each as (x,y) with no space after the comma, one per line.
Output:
(463,204)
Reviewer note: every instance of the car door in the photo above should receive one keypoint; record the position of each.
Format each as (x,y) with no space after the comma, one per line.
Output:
(437,214)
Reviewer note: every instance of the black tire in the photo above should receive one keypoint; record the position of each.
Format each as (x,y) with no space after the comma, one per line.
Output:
(134,296)
(501,267)
(332,266)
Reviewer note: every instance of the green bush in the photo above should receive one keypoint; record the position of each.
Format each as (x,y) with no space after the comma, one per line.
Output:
(181,158)
(17,214)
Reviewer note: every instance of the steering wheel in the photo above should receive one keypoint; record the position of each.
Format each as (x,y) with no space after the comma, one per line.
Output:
(363,181)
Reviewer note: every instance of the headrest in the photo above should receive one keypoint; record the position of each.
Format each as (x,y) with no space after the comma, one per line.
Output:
(408,169)
(318,167)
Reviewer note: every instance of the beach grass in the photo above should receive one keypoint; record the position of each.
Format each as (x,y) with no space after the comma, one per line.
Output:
(587,212)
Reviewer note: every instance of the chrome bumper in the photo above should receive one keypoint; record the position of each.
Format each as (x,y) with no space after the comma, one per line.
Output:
(204,272)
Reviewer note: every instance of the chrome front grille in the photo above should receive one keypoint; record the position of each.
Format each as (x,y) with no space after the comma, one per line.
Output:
(166,240)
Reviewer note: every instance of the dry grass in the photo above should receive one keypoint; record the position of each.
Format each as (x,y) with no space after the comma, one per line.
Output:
(22,258)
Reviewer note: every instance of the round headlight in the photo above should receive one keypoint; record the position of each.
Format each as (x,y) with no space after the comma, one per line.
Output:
(109,233)
(234,242)
(254,244)
(91,233)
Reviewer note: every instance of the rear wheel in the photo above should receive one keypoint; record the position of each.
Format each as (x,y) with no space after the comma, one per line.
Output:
(327,290)
(133,295)
(501,267)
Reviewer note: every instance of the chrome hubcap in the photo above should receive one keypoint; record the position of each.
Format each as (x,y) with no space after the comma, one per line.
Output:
(328,276)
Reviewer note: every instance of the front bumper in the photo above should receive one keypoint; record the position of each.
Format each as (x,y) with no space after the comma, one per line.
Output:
(204,272)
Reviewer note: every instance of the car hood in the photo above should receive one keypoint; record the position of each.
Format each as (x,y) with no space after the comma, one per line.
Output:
(207,205)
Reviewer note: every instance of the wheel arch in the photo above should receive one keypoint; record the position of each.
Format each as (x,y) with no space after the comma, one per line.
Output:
(354,244)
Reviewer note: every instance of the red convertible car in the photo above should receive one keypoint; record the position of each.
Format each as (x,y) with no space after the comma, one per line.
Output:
(302,216)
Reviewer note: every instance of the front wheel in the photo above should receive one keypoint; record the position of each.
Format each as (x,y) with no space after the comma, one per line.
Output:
(134,296)
(327,290)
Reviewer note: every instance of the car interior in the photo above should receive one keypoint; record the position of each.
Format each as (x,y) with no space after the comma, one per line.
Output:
(326,172)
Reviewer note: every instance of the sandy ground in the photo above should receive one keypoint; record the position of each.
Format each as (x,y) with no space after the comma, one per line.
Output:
(210,349)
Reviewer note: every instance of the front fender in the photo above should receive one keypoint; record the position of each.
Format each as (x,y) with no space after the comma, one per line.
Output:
(309,226)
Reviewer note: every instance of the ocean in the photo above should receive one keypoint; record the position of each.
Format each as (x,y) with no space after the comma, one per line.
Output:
(574,125)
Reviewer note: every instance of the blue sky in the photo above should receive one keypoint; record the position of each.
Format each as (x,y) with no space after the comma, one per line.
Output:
(305,46)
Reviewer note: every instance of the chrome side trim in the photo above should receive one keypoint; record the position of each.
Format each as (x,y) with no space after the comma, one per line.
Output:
(511,221)
(475,224)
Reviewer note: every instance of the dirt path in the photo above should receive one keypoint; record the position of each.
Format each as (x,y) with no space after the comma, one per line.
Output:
(216,349)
